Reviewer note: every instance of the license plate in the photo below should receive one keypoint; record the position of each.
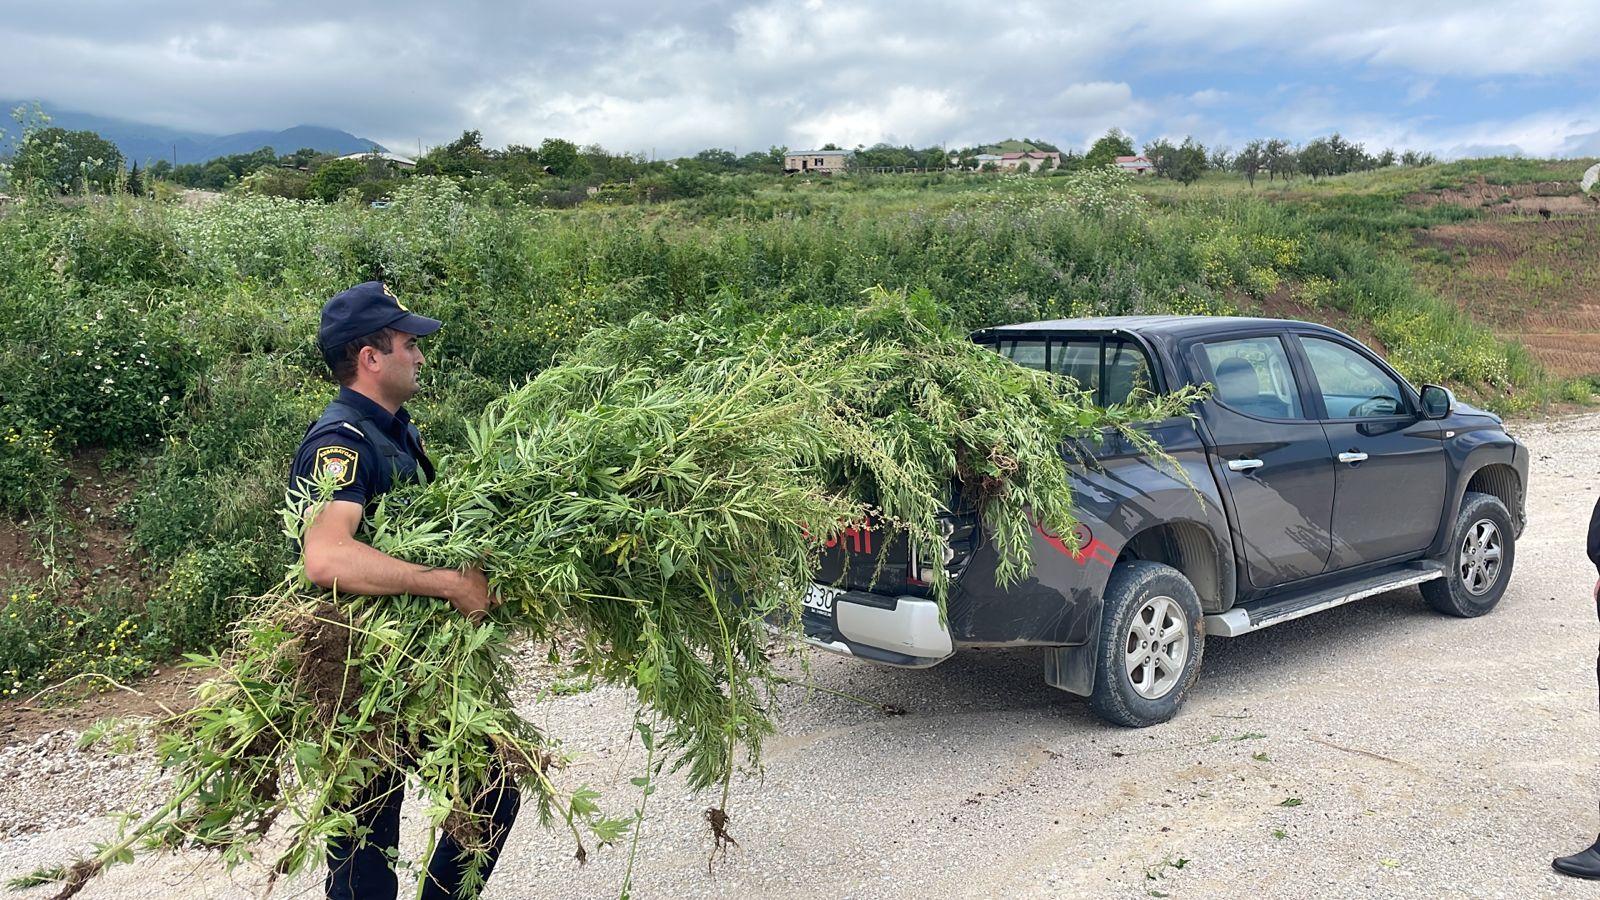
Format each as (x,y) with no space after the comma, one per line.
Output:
(820,598)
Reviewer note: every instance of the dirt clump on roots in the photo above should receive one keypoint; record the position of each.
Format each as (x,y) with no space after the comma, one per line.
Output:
(718,819)
(322,673)
(77,875)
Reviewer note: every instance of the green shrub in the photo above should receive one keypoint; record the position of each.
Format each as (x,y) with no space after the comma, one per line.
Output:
(31,469)
(45,640)
(206,591)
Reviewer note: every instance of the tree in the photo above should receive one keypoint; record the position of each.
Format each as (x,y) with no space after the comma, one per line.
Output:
(1386,158)
(62,162)
(1342,156)
(135,184)
(1023,168)
(1188,162)
(1221,159)
(1250,160)
(562,159)
(214,176)
(334,177)
(463,157)
(1280,159)
(280,181)
(830,146)
(1319,158)
(760,161)
(1111,145)
(717,160)
(607,166)
(1160,152)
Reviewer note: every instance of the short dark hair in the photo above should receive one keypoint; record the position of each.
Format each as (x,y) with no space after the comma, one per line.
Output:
(344,359)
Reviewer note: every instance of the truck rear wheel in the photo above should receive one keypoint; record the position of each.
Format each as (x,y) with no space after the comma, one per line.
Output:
(1152,635)
(1482,548)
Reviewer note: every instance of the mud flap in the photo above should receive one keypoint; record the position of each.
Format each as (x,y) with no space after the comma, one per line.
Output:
(1071,668)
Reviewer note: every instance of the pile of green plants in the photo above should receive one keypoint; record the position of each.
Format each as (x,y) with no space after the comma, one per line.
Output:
(662,495)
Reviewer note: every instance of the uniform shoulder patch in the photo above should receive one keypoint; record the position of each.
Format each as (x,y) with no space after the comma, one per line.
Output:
(338,463)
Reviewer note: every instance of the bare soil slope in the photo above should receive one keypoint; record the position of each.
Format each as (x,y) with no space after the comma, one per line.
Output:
(1530,269)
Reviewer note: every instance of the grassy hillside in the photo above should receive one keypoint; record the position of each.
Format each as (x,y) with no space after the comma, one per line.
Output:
(157,366)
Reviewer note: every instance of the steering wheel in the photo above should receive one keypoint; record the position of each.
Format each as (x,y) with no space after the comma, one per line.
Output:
(1365,408)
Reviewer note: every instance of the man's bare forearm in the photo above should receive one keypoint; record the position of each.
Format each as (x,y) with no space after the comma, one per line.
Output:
(356,568)
(336,559)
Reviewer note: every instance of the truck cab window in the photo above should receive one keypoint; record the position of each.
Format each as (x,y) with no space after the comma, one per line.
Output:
(1352,386)
(1127,371)
(1252,375)
(1079,359)
(1026,353)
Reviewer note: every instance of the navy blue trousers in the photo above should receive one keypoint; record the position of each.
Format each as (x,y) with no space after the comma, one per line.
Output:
(364,870)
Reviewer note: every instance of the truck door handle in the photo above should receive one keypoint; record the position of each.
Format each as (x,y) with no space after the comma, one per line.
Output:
(1352,457)
(1244,465)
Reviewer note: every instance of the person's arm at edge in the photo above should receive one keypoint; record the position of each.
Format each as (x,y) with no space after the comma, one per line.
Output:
(335,559)
(1594,550)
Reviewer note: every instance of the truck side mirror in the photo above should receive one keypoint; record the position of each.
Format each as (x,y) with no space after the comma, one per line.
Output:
(1437,402)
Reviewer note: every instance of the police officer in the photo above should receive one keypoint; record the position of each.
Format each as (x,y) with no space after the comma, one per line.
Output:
(365,444)
(1586,863)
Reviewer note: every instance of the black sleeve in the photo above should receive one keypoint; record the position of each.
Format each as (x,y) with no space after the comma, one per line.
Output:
(1594,536)
(349,462)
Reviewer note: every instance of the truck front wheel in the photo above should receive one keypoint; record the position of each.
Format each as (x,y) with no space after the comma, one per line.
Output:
(1152,633)
(1482,548)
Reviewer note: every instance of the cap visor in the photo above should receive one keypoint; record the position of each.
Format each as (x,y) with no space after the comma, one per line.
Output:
(420,326)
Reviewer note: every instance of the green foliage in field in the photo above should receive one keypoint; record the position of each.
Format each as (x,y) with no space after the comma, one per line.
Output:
(182,339)
(58,161)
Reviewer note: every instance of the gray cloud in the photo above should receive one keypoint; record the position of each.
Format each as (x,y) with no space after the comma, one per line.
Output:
(679,77)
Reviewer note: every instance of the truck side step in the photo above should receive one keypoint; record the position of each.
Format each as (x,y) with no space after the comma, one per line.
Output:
(1256,616)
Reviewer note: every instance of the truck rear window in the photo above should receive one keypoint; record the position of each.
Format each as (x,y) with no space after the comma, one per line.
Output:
(1111,368)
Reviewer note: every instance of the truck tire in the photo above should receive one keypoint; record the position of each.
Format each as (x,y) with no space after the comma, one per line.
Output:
(1152,634)
(1483,546)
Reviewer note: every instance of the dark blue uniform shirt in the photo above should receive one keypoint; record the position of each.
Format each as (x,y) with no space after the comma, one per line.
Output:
(360,469)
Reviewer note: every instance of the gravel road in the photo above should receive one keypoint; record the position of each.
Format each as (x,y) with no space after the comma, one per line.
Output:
(1378,749)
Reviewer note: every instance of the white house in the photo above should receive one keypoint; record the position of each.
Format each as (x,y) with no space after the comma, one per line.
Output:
(826,162)
(1010,162)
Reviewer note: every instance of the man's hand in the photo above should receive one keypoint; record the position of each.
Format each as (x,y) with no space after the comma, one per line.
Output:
(471,597)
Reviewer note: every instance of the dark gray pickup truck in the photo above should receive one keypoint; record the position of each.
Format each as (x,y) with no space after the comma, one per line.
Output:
(1317,476)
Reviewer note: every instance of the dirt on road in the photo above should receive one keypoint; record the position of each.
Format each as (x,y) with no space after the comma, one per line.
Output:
(1376,750)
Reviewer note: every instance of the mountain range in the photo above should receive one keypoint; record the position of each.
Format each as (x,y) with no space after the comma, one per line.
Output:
(145,143)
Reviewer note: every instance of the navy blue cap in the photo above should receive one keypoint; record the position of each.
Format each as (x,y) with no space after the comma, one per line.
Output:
(365,309)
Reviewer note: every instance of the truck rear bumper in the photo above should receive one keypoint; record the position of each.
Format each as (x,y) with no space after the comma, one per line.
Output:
(896,631)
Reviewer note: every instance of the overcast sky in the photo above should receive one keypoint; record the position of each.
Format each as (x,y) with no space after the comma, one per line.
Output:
(1456,77)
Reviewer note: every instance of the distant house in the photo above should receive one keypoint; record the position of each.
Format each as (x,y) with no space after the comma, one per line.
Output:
(826,162)
(392,158)
(1010,162)
(1136,165)
(984,159)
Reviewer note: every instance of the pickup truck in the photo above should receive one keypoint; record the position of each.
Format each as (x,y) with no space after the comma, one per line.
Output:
(1313,475)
